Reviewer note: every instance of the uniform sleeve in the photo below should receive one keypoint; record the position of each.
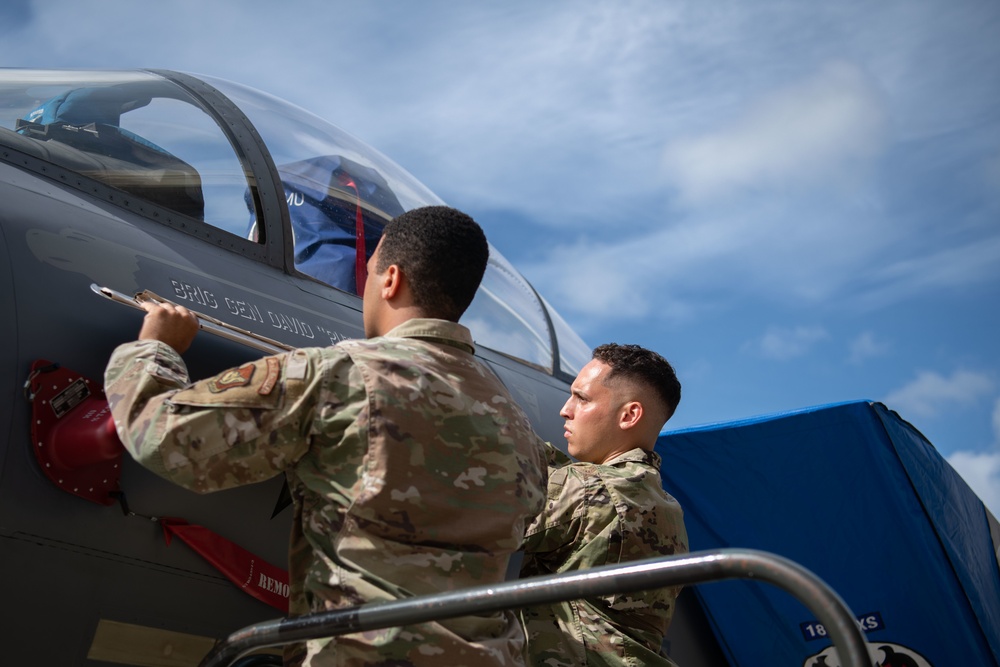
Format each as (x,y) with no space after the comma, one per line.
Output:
(557,529)
(244,425)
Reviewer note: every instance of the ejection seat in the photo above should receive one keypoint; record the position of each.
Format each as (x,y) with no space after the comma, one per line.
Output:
(81,130)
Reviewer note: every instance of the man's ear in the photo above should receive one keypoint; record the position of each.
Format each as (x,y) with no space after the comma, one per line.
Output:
(630,415)
(392,282)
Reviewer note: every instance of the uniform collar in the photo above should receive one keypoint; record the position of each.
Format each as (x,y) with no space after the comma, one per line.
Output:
(442,331)
(637,455)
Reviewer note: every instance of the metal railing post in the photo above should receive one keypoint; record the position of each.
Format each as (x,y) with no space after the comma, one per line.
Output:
(694,568)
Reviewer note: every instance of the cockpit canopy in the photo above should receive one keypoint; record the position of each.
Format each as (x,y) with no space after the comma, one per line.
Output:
(170,139)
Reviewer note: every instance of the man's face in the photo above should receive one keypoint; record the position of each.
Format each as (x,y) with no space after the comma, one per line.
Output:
(592,415)
(371,300)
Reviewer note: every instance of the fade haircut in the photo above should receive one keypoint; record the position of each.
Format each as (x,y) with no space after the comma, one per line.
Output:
(442,252)
(644,367)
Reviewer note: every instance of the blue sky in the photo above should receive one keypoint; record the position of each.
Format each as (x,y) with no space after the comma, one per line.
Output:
(796,203)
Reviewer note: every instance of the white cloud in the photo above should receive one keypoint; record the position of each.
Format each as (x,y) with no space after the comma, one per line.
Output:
(981,471)
(930,392)
(946,267)
(866,346)
(636,276)
(783,344)
(695,264)
(815,131)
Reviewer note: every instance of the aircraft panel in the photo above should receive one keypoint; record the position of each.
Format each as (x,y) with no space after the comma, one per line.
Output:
(108,565)
(8,341)
(88,587)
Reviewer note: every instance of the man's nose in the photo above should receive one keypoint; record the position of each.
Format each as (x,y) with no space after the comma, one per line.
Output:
(565,412)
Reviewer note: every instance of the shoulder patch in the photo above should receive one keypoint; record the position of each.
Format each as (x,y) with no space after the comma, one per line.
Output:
(256,384)
(237,377)
(273,373)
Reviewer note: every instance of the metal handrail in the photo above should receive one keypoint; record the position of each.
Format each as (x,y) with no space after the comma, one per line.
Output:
(694,568)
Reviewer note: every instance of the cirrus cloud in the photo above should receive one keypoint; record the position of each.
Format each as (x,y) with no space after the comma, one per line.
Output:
(866,346)
(930,392)
(783,344)
(812,131)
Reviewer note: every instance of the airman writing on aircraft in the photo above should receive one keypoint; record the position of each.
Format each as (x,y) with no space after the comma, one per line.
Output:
(607,508)
(411,468)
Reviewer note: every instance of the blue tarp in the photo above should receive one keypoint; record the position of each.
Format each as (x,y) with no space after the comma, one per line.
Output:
(857,495)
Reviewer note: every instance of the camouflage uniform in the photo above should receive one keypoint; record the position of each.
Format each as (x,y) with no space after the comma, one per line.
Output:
(602,515)
(411,468)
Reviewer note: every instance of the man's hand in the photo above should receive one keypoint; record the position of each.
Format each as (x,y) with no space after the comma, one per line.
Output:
(174,325)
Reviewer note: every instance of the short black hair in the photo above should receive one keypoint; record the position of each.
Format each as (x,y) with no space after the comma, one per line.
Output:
(443,253)
(645,367)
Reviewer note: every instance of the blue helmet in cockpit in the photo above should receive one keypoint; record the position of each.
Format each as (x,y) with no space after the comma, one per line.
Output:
(338,209)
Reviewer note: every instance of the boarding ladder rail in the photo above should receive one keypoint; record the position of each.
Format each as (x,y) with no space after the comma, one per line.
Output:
(693,568)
